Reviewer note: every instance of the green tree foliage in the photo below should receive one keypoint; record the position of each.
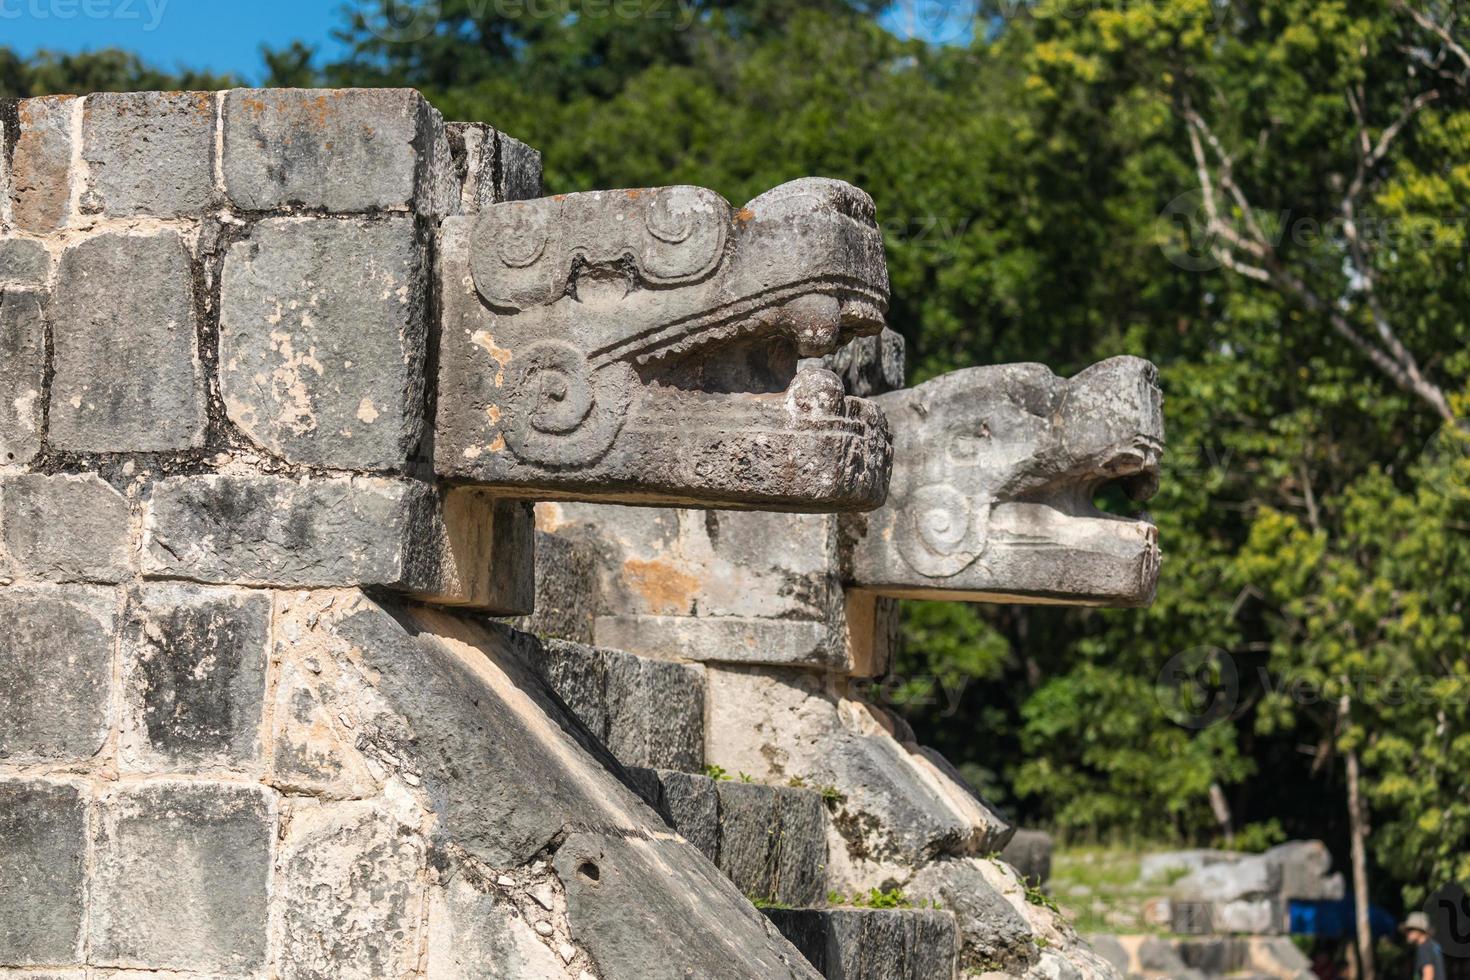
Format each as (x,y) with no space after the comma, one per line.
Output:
(108,70)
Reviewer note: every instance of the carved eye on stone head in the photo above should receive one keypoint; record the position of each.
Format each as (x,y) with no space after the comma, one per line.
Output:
(508,254)
(666,220)
(523,235)
(686,233)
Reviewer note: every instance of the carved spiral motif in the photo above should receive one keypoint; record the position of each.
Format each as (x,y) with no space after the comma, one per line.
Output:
(560,413)
(946,532)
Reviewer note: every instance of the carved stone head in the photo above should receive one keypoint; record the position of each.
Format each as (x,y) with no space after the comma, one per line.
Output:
(644,346)
(993,486)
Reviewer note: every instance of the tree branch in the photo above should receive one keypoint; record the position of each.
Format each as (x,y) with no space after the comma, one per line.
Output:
(1264,266)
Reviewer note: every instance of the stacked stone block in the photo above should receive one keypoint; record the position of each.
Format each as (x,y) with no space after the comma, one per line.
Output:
(217,304)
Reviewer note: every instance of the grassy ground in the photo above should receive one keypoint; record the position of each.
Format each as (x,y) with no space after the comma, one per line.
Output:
(1098,889)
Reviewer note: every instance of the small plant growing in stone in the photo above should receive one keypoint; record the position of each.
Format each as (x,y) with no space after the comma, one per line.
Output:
(1036,896)
(797,782)
(717,773)
(746,778)
(876,898)
(832,796)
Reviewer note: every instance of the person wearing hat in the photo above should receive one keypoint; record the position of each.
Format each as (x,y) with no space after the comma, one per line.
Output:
(1428,957)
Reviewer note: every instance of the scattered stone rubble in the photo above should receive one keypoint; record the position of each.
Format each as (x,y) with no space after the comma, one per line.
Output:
(1232,909)
(1228,892)
(280,373)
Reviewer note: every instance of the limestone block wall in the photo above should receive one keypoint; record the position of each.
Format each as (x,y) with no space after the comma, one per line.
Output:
(252,723)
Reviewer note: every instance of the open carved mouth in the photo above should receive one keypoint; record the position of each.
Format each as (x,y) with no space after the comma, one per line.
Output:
(806,275)
(762,370)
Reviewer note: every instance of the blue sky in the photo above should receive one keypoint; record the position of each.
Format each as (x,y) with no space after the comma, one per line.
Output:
(226,35)
(222,35)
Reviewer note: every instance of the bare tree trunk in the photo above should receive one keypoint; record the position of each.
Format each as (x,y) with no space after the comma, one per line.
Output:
(1221,807)
(1358,824)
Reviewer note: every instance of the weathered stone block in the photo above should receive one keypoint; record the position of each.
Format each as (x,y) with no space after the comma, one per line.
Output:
(723,639)
(655,712)
(691,802)
(872,944)
(642,346)
(43,826)
(128,377)
(801,877)
(773,842)
(349,150)
(64,528)
(712,586)
(694,803)
(992,492)
(351,894)
(193,661)
(181,878)
(312,748)
(149,153)
(690,921)
(1306,871)
(455,547)
(520,170)
(897,803)
(22,376)
(750,841)
(55,668)
(567,593)
(323,339)
(475,935)
(1029,852)
(40,170)
(477,727)
(1250,876)
(649,713)
(994,933)
(23,262)
(4,179)
(492,167)
(578,675)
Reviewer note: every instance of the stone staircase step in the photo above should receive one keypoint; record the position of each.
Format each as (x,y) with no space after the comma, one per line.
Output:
(649,713)
(872,944)
(771,841)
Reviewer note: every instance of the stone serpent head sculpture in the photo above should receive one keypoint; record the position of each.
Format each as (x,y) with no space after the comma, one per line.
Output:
(644,346)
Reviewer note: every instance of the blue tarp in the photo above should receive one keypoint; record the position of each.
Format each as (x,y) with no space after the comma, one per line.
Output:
(1333,920)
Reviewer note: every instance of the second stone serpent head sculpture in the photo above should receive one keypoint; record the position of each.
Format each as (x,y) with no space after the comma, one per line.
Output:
(996,470)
